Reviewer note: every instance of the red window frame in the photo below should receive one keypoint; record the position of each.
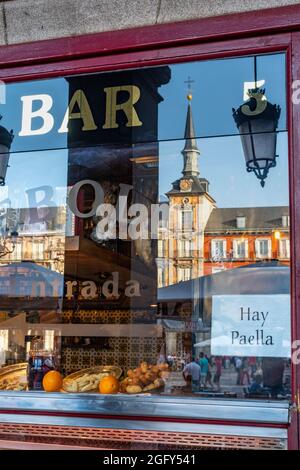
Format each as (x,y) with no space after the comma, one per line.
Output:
(234,35)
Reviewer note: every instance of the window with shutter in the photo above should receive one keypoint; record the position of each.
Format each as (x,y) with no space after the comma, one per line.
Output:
(218,249)
(240,249)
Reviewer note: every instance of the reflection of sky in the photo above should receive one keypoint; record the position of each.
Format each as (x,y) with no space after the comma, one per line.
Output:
(42,168)
(57,88)
(218,87)
(222,162)
(30,170)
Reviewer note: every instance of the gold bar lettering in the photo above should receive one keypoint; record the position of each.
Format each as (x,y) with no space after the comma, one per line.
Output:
(127,107)
(84,113)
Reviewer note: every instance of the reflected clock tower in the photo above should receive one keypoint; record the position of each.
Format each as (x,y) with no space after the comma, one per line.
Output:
(181,244)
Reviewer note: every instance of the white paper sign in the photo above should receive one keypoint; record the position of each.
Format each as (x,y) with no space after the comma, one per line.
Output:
(251,325)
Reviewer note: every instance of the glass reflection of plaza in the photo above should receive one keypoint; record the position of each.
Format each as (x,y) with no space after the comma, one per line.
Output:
(200,239)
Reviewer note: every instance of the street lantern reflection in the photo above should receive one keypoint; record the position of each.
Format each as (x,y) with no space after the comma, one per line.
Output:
(6,139)
(257,121)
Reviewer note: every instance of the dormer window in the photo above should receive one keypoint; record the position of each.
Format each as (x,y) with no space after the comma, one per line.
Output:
(241,221)
(285,220)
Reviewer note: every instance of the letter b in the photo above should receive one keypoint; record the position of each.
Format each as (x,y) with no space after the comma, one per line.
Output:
(43,112)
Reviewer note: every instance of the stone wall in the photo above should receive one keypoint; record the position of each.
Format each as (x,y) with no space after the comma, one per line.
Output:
(34,20)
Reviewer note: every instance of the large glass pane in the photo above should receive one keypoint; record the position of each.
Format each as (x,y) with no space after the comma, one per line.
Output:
(142,238)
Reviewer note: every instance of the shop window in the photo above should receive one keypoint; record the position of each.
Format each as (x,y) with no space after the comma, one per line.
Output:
(128,171)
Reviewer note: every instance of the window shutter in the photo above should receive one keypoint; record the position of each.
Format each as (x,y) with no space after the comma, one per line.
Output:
(224,249)
(179,246)
(213,249)
(160,248)
(179,219)
(235,254)
(281,248)
(269,248)
(246,249)
(284,248)
(257,250)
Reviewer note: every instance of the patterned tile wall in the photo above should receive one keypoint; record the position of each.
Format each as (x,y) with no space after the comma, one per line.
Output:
(125,352)
(107,316)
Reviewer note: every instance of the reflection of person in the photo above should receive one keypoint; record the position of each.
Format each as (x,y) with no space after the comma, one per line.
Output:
(186,357)
(252,365)
(238,368)
(218,373)
(191,373)
(203,362)
(245,372)
(226,362)
(209,374)
(170,360)
(273,368)
(256,386)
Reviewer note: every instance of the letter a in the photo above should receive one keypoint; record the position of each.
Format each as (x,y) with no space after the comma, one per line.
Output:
(84,113)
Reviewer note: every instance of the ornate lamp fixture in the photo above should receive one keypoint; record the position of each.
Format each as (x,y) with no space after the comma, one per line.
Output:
(6,139)
(257,121)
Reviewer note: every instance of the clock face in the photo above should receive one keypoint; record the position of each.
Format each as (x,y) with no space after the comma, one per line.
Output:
(185,185)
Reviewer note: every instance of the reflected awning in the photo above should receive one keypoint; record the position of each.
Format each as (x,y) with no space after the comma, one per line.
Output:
(259,278)
(27,279)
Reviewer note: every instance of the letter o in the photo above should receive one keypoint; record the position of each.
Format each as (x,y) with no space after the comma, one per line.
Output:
(72,199)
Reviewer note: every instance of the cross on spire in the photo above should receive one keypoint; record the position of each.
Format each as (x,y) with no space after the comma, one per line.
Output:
(189,81)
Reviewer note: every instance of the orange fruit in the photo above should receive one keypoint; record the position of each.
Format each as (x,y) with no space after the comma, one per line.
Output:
(52,381)
(109,384)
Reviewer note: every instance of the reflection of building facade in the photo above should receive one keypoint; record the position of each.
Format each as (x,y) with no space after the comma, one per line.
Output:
(234,237)
(200,239)
(41,241)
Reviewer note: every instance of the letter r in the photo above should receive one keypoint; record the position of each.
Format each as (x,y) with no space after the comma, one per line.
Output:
(127,107)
